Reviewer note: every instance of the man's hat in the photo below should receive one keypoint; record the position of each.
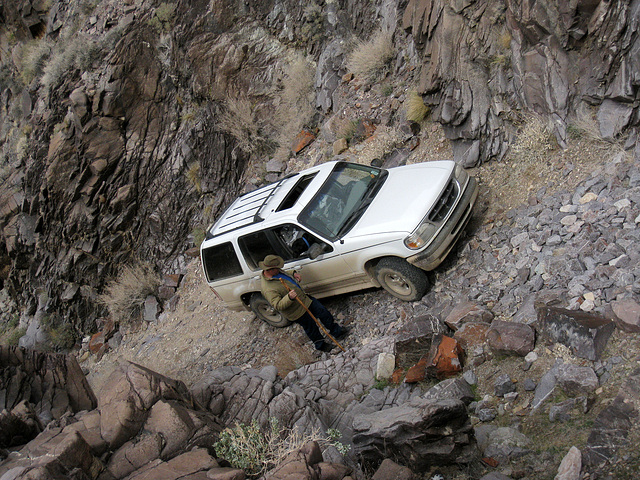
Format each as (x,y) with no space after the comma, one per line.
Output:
(271,261)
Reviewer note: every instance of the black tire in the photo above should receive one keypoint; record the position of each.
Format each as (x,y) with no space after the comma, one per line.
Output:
(401,279)
(264,311)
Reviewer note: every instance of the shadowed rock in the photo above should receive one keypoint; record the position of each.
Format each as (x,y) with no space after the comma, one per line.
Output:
(586,334)
(53,383)
(419,434)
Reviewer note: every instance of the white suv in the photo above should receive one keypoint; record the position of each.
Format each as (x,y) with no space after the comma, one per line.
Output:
(344,227)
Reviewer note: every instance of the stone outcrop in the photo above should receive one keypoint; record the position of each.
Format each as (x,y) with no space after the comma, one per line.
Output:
(52,384)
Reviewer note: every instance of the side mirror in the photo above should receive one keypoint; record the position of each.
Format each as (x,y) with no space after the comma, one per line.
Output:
(317,249)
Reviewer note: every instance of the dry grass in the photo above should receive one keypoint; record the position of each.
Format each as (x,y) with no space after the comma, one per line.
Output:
(371,59)
(585,126)
(193,175)
(297,91)
(32,59)
(416,110)
(125,296)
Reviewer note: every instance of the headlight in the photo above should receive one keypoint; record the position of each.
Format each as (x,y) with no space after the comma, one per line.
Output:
(461,174)
(420,236)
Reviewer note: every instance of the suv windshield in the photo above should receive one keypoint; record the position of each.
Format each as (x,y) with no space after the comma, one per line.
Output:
(342,200)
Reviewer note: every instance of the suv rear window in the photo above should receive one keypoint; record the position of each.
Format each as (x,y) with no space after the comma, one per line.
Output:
(220,261)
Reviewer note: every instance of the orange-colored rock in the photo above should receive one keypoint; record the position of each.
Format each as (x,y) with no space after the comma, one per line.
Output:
(304,138)
(418,372)
(445,357)
(471,334)
(397,376)
(492,462)
(96,342)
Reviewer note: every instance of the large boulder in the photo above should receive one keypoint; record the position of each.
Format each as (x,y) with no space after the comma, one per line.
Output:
(418,435)
(127,397)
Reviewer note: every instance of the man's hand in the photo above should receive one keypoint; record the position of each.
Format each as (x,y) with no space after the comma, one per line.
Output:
(292,294)
(297,277)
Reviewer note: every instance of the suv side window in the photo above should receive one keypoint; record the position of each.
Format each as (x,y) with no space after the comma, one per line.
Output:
(221,261)
(287,241)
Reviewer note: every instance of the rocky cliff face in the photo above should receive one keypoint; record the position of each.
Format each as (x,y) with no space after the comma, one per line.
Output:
(111,112)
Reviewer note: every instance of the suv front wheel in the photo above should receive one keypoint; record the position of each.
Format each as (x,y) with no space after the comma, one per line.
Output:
(264,311)
(401,279)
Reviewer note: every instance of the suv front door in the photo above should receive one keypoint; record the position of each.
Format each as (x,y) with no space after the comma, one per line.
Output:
(324,273)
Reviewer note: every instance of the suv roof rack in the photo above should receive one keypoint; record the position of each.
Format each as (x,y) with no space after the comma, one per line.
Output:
(246,209)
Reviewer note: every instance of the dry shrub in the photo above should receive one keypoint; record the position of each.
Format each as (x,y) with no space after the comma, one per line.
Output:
(293,357)
(256,450)
(504,40)
(239,120)
(371,59)
(125,296)
(32,59)
(534,141)
(296,108)
(346,128)
(585,126)
(415,108)
(297,91)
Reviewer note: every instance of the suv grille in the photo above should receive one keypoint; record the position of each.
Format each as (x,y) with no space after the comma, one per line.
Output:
(443,206)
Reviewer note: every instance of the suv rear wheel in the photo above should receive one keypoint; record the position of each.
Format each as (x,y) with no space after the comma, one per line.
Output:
(401,279)
(264,311)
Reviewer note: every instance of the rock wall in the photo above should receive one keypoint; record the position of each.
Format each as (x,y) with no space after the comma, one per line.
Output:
(110,115)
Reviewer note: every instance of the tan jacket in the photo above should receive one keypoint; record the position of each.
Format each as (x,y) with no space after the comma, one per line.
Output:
(278,296)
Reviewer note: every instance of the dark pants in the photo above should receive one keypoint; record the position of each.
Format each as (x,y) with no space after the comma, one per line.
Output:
(311,327)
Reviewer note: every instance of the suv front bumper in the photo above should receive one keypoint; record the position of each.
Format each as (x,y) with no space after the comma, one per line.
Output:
(439,248)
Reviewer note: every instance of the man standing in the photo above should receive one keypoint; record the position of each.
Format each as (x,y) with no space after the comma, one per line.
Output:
(285,294)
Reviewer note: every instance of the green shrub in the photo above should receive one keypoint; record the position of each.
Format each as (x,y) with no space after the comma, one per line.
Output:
(163,16)
(14,336)
(381,383)
(371,59)
(125,296)
(62,337)
(245,447)
(387,90)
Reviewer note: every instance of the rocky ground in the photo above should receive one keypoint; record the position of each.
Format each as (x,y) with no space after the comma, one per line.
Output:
(534,231)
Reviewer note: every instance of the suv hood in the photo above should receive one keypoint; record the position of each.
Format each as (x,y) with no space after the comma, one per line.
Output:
(405,198)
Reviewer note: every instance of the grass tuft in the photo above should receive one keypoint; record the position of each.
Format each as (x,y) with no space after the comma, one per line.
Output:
(371,59)
(239,120)
(416,110)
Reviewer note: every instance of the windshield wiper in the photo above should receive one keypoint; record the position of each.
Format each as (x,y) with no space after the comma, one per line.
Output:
(367,198)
